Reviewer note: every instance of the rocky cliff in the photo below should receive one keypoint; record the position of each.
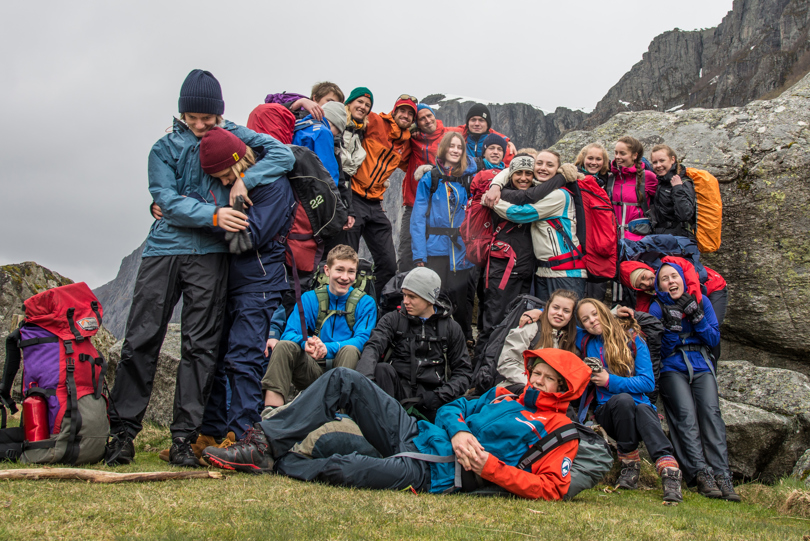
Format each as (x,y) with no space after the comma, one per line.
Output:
(760,155)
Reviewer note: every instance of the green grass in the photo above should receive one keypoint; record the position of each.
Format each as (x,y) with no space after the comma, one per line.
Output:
(273,507)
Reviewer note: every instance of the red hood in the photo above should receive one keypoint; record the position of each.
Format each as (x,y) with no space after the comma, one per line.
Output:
(576,374)
(419,139)
(716,282)
(627,267)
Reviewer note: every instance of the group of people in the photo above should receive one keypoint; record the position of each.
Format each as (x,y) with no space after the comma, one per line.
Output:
(404,377)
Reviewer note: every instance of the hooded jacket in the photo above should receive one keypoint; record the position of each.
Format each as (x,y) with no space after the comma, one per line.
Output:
(175,176)
(506,426)
(317,136)
(643,297)
(475,143)
(675,206)
(642,381)
(335,332)
(423,152)
(387,147)
(623,196)
(446,208)
(353,153)
(430,373)
(706,332)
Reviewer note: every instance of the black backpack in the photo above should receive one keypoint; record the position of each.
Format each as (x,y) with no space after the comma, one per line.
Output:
(485,375)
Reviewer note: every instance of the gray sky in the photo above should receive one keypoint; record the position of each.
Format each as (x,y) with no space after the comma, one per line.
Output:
(88,87)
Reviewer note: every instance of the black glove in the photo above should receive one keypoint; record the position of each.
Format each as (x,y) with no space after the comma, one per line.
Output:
(239,241)
(689,306)
(672,317)
(429,401)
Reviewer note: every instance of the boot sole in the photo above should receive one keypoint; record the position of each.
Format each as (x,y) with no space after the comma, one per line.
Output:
(234,466)
(714,495)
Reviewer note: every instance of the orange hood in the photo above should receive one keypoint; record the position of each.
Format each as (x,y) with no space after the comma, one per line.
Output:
(575,372)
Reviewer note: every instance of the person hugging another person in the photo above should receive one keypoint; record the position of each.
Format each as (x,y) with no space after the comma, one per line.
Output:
(631,189)
(622,374)
(438,211)
(339,320)
(689,386)
(553,327)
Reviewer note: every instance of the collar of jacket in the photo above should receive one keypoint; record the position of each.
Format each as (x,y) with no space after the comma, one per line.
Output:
(422,137)
(395,133)
(671,173)
(622,171)
(488,165)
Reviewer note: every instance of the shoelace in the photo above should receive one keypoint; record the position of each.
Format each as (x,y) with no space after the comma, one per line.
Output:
(707,479)
(725,484)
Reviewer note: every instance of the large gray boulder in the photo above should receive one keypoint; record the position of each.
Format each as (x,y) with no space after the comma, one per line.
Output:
(767,416)
(161,404)
(759,153)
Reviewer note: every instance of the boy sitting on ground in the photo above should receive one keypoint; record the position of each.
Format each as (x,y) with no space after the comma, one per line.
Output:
(428,364)
(338,318)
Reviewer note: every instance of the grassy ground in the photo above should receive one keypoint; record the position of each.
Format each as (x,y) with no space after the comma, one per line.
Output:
(272,507)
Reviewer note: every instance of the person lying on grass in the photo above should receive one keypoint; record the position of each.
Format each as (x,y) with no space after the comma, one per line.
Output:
(488,436)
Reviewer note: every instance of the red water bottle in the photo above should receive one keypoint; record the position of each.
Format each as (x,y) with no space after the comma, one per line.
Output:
(35,418)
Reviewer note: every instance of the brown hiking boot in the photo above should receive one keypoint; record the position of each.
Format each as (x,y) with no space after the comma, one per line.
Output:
(203,441)
(707,486)
(727,488)
(628,479)
(671,483)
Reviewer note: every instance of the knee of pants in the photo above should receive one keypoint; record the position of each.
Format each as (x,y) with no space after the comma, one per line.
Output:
(348,357)
(622,402)
(385,371)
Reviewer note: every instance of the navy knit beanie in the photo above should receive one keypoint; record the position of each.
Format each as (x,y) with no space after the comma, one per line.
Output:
(479,109)
(495,139)
(201,93)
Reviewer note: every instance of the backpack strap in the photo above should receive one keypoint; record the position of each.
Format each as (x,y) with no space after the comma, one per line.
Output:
(303,124)
(323,308)
(72,412)
(351,307)
(641,198)
(551,441)
(12,366)
(72,324)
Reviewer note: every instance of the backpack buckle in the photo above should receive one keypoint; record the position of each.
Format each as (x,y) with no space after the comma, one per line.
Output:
(68,347)
(70,365)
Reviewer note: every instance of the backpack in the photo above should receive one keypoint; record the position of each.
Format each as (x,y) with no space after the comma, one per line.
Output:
(486,371)
(364,279)
(479,231)
(324,312)
(709,209)
(597,230)
(274,120)
(65,370)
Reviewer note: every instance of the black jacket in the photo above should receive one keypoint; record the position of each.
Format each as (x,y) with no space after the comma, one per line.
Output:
(399,332)
(675,205)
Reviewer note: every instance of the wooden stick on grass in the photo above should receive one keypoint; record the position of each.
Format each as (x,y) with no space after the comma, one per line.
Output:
(97,476)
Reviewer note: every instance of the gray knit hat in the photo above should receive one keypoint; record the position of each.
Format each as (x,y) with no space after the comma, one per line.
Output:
(424,282)
(335,113)
(521,163)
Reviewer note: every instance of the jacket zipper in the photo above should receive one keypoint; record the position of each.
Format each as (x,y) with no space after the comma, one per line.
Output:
(450,218)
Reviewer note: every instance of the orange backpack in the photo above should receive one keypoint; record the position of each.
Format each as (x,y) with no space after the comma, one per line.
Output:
(709,209)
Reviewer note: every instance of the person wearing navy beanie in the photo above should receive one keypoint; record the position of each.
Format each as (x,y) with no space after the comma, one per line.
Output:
(477,126)
(201,93)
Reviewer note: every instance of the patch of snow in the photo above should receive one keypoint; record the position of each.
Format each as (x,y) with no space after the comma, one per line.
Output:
(763,129)
(802,123)
(700,75)
(436,107)
(779,109)
(714,79)
(675,108)
(654,105)
(545,112)
(752,47)
(625,103)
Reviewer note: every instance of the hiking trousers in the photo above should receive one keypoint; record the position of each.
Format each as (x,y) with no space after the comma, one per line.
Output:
(202,281)
(719,300)
(384,424)
(240,366)
(404,250)
(629,424)
(496,300)
(454,283)
(696,427)
(544,287)
(290,365)
(374,227)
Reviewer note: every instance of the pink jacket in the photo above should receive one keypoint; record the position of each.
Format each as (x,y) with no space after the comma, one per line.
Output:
(625,203)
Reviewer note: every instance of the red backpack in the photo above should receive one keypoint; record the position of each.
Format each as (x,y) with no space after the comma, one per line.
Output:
(597,229)
(481,227)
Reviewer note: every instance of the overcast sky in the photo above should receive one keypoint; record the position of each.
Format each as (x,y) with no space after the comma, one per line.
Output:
(88,87)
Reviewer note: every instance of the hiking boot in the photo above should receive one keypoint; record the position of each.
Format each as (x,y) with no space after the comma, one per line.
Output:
(629,477)
(707,486)
(202,442)
(181,454)
(229,440)
(726,488)
(251,454)
(119,450)
(671,482)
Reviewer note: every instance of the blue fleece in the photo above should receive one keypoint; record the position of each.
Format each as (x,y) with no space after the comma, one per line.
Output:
(642,381)
(317,136)
(335,332)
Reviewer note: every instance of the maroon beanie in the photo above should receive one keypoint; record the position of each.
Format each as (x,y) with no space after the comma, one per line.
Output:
(219,150)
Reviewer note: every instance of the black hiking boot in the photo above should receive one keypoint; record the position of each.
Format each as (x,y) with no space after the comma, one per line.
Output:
(119,450)
(671,481)
(251,454)
(727,488)
(629,477)
(707,486)
(181,454)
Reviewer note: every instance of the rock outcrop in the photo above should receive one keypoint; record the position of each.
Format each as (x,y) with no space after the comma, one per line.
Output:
(757,51)
(760,155)
(767,415)
(161,403)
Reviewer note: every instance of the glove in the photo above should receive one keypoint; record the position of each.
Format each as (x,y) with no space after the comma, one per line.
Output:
(429,402)
(672,318)
(691,308)
(594,364)
(569,171)
(420,171)
(239,241)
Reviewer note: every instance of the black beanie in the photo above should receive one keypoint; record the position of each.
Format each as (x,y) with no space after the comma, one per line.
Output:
(479,109)
(201,93)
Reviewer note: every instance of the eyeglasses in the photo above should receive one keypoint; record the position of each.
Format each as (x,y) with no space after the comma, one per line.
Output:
(408,97)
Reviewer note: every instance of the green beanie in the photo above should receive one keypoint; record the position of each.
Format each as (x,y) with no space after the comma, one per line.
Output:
(359,92)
